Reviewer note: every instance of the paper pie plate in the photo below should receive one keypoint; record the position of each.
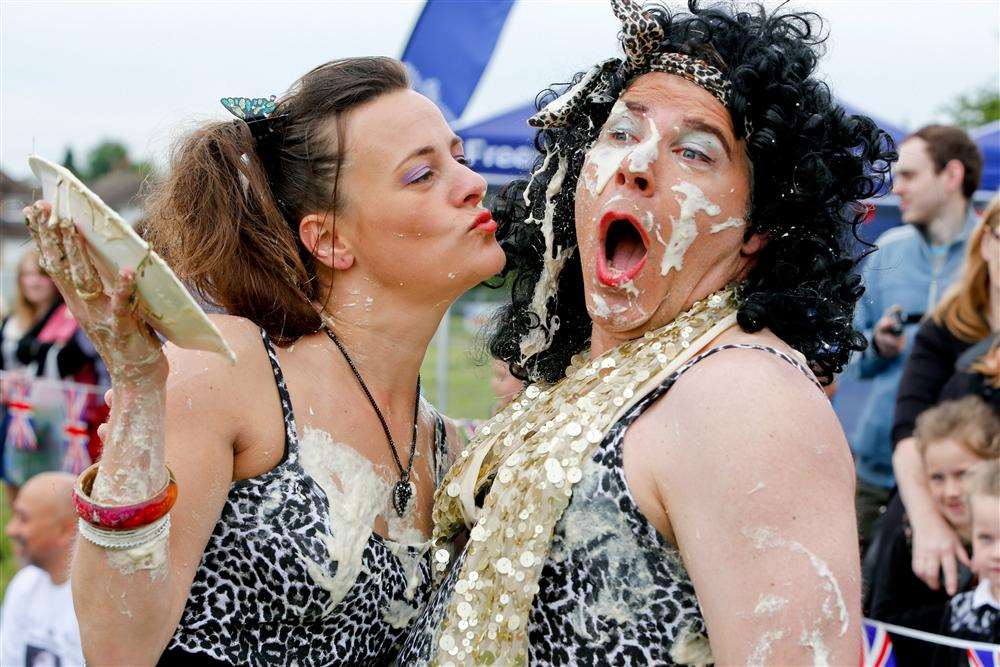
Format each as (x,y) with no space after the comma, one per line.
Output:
(114,245)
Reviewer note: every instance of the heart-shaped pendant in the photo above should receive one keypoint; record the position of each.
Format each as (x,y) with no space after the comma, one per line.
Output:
(402,493)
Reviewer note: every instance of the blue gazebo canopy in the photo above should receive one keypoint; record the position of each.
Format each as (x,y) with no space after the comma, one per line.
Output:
(988,139)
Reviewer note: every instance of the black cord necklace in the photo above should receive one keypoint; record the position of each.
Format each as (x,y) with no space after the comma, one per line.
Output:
(403,490)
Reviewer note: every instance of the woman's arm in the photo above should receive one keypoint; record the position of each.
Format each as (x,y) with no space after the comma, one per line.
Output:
(757,485)
(936,547)
(128,602)
(930,364)
(128,609)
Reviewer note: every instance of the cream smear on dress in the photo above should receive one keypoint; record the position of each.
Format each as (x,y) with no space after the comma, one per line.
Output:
(356,494)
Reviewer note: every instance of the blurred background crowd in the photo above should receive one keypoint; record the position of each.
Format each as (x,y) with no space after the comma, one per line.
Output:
(920,407)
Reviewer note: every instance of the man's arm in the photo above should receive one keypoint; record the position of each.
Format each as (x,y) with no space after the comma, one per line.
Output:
(871,320)
(761,505)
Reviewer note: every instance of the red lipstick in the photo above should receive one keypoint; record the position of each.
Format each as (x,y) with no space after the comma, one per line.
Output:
(484,222)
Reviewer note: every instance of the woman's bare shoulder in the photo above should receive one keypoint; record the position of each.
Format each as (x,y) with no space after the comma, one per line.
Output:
(196,368)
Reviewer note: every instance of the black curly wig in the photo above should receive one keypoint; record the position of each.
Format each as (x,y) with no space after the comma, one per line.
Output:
(813,164)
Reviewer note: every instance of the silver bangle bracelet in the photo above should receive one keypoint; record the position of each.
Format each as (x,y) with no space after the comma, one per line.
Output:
(120,540)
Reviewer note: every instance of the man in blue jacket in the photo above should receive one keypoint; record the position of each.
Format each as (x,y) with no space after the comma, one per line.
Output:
(938,170)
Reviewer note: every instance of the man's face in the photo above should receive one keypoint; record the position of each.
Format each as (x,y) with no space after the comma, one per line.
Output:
(921,189)
(37,532)
(660,205)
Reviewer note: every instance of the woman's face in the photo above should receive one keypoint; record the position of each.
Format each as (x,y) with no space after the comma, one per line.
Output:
(36,286)
(413,218)
(947,462)
(660,205)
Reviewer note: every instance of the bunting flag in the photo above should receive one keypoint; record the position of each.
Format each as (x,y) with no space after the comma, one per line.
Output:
(877,650)
(20,428)
(48,424)
(76,430)
(984,657)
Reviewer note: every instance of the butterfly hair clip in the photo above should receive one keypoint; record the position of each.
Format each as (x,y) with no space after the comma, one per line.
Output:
(256,112)
(250,108)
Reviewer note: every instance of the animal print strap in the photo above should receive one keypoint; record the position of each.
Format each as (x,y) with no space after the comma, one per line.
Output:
(291,434)
(746,346)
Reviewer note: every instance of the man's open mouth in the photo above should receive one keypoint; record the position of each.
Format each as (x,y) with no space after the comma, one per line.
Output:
(623,248)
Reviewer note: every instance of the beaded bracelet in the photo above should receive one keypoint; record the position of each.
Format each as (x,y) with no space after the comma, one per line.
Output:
(121,540)
(122,517)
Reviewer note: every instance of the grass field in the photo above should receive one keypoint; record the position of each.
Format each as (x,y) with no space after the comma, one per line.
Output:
(469,397)
(469,394)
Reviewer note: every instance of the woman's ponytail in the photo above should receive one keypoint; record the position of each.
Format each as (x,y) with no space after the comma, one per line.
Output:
(215,221)
(226,217)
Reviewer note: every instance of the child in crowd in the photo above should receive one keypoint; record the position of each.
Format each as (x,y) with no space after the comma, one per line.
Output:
(975,614)
(952,438)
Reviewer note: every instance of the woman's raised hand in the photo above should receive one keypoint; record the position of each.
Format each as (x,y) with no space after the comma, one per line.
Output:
(129,347)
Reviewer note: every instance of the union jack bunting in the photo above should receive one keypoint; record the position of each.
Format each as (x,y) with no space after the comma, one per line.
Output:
(20,428)
(877,649)
(984,657)
(75,430)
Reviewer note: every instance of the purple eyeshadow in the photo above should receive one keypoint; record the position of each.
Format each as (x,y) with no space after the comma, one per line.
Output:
(415,173)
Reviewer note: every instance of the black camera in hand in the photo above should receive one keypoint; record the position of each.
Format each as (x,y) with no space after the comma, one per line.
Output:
(901,318)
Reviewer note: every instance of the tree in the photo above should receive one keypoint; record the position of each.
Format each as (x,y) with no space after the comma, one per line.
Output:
(106,157)
(976,108)
(69,162)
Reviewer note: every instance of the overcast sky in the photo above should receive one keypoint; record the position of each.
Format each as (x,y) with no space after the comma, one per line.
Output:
(142,71)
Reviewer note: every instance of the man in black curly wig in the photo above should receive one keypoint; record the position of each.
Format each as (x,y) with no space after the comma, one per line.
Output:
(672,486)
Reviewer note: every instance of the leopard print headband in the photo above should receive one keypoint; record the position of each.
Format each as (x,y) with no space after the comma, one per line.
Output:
(641,40)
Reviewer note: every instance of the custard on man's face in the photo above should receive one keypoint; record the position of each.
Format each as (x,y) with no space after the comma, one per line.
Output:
(660,205)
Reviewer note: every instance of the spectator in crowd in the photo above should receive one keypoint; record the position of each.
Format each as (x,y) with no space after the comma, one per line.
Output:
(505,386)
(41,339)
(37,623)
(952,438)
(975,614)
(35,301)
(938,170)
(954,353)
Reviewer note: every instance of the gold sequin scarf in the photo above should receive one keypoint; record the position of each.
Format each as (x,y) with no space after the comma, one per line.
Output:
(529,456)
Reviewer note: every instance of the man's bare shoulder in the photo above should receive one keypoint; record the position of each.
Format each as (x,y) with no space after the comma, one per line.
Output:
(739,404)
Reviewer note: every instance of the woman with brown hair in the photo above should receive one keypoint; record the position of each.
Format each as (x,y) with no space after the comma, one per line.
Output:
(953,353)
(340,226)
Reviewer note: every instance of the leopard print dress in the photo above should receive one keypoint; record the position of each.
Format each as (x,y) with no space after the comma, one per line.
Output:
(255,602)
(613,590)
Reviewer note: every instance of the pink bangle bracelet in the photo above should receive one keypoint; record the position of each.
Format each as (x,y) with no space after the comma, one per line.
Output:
(121,517)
